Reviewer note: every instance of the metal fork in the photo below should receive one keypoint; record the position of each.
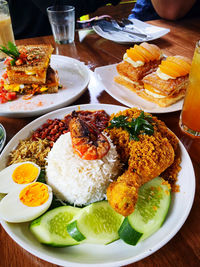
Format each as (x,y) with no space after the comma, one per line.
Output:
(126,22)
(113,26)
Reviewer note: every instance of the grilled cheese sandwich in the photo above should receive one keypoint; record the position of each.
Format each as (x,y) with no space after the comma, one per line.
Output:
(50,86)
(31,72)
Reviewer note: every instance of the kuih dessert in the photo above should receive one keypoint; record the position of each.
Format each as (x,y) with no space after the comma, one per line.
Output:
(138,62)
(168,84)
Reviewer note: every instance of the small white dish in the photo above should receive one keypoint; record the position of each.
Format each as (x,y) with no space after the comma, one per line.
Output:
(117,253)
(152,32)
(74,77)
(127,97)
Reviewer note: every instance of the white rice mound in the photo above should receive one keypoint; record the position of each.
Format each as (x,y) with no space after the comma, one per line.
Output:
(78,181)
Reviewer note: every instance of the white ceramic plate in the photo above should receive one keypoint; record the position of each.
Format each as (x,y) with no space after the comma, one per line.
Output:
(74,77)
(106,76)
(153,33)
(2,136)
(117,253)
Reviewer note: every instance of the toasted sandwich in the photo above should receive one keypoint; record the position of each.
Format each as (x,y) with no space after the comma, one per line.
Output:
(50,86)
(168,84)
(138,62)
(28,69)
(31,67)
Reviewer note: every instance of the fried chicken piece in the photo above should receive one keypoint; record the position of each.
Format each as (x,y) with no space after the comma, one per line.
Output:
(123,193)
(146,159)
(150,156)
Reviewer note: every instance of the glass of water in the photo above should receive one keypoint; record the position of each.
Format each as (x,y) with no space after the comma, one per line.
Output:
(62,20)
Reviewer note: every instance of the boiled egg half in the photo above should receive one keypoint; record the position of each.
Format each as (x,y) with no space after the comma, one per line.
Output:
(18,174)
(26,203)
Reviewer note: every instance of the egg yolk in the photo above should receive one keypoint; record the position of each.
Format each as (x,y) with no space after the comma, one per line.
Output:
(25,173)
(34,194)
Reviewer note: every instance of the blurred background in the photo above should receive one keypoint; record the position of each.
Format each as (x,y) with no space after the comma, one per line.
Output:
(122,10)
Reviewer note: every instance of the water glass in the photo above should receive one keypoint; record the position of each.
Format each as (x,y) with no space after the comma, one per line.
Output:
(190,115)
(62,20)
(6,31)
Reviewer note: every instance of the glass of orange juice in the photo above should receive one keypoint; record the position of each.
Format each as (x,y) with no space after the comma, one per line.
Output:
(6,31)
(190,115)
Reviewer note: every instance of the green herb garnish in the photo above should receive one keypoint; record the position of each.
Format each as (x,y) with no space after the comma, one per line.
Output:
(11,51)
(135,127)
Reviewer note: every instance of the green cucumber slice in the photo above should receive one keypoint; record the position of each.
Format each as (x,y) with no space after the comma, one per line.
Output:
(50,228)
(74,232)
(150,212)
(98,223)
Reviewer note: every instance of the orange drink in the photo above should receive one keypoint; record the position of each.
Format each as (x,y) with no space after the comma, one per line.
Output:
(190,116)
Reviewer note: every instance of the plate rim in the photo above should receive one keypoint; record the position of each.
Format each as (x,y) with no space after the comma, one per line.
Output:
(43,110)
(122,262)
(161,111)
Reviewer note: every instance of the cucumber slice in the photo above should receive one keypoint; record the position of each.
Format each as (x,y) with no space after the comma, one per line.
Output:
(150,212)
(50,228)
(74,232)
(98,223)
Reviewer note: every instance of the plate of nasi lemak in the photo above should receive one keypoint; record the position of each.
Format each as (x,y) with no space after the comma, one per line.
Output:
(85,197)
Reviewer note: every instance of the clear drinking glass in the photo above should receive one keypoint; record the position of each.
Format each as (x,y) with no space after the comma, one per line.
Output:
(6,31)
(62,20)
(190,115)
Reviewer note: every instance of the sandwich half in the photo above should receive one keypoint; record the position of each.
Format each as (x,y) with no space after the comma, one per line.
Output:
(138,62)
(28,70)
(168,84)
(31,66)
(50,86)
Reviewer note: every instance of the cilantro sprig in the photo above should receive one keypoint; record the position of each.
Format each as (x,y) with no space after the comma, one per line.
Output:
(12,51)
(135,127)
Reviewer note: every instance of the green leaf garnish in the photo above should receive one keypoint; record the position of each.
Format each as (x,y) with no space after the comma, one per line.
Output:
(135,127)
(12,62)
(11,51)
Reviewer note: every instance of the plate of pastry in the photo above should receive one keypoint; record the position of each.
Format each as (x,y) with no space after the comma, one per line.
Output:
(149,31)
(146,79)
(34,81)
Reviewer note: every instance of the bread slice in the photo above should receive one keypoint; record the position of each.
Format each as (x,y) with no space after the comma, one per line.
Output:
(27,77)
(51,85)
(136,74)
(132,85)
(163,102)
(33,69)
(37,57)
(163,92)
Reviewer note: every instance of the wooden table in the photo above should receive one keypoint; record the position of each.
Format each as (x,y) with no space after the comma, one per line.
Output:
(184,248)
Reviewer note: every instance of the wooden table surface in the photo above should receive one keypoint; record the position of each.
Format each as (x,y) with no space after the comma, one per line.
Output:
(184,248)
